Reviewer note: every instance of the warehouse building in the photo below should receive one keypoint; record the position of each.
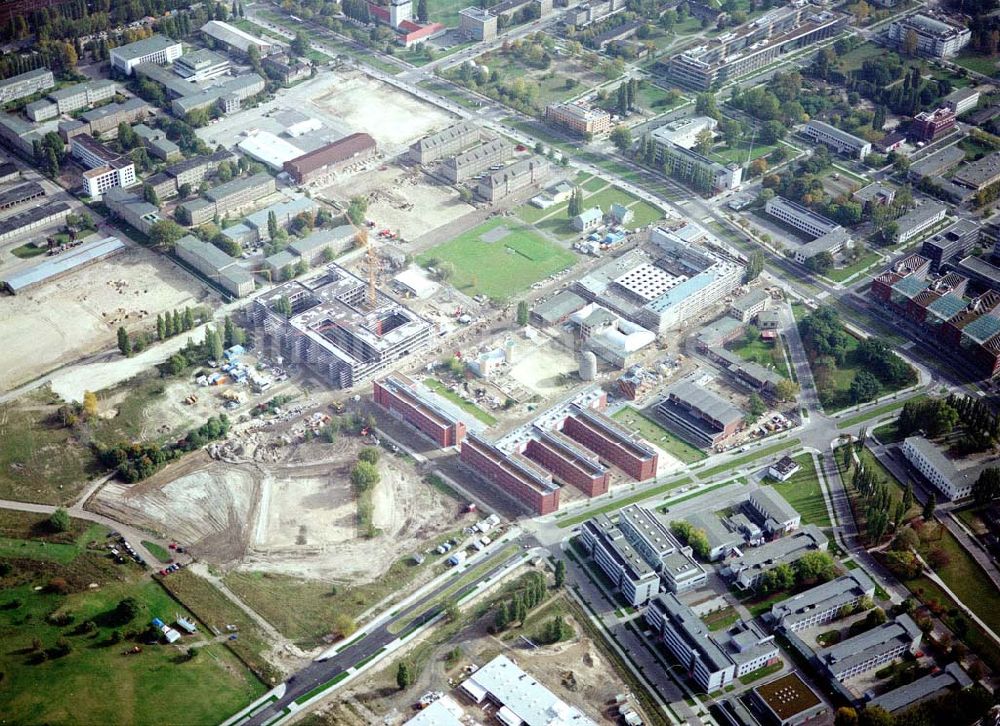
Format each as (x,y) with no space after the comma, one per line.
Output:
(21,195)
(713,659)
(201,65)
(569,462)
(26,84)
(935,38)
(517,477)
(578,119)
(157,49)
(405,400)
(745,571)
(445,143)
(52,268)
(611,442)
(749,373)
(332,158)
(840,141)
(697,415)
(24,223)
(332,330)
(234,40)
(519,175)
(215,265)
(476,160)
(824,603)
(979,174)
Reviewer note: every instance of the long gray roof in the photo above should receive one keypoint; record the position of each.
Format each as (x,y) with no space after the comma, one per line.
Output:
(705,401)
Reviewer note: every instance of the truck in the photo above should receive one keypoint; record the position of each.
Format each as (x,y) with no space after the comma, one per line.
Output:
(457,559)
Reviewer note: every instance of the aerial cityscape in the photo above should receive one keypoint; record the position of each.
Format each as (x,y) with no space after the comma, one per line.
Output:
(531,362)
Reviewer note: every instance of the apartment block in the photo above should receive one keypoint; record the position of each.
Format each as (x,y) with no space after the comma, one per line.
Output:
(840,141)
(935,38)
(519,175)
(569,462)
(401,397)
(447,142)
(105,119)
(516,476)
(822,604)
(477,24)
(745,572)
(157,49)
(611,442)
(578,119)
(26,84)
(476,160)
(712,659)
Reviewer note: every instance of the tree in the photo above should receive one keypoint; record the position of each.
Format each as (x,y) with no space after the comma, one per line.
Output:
(575,205)
(522,313)
(845,716)
(560,574)
(127,610)
(875,716)
(864,387)
(184,190)
(59,520)
(820,263)
(300,44)
(422,11)
(771,132)
(357,209)
(149,194)
(815,566)
(283,306)
(621,137)
(703,141)
(124,344)
(90,403)
(364,476)
(369,454)
(757,406)
(986,488)
(910,42)
(164,233)
(929,506)
(404,678)
(786,390)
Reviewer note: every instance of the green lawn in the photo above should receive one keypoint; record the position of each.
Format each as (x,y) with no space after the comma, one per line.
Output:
(769,354)
(516,258)
(158,552)
(977,63)
(653,432)
(27,250)
(594,184)
(467,406)
(749,458)
(804,494)
(854,59)
(643,213)
(742,152)
(761,673)
(839,274)
(94,682)
(876,412)
(624,502)
(721,619)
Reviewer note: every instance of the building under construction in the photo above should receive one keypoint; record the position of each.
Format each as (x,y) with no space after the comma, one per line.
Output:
(340,326)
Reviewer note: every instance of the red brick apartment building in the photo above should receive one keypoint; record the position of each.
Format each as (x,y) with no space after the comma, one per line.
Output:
(569,462)
(517,477)
(611,442)
(398,395)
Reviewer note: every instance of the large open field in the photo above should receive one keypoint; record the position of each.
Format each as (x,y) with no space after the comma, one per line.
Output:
(70,669)
(655,434)
(804,494)
(499,258)
(61,321)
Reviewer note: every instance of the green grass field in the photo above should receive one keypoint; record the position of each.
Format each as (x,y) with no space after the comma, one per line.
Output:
(442,390)
(767,354)
(653,432)
(977,63)
(742,152)
(876,412)
(27,250)
(839,274)
(804,494)
(516,258)
(749,458)
(94,682)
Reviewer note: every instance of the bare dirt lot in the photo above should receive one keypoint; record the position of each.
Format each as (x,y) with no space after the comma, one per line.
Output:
(403,200)
(544,368)
(79,314)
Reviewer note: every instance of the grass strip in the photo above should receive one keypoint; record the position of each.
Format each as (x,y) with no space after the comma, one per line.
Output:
(618,504)
(365,661)
(320,688)
(742,461)
(877,411)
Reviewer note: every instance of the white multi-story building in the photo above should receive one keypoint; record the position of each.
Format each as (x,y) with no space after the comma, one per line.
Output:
(824,603)
(105,168)
(840,141)
(872,649)
(777,515)
(937,468)
(201,65)
(684,131)
(614,554)
(934,37)
(157,49)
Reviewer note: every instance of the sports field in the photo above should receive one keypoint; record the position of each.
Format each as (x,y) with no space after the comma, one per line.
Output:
(499,258)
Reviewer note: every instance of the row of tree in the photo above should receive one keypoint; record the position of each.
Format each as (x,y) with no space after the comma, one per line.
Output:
(529,593)
(135,461)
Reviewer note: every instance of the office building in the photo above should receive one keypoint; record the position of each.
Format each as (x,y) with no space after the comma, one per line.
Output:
(828,236)
(235,41)
(516,697)
(745,571)
(961,100)
(786,701)
(684,132)
(722,540)
(218,267)
(513,475)
(228,96)
(614,554)
(930,125)
(334,332)
(83,95)
(201,65)
(611,442)
(447,142)
(935,38)
(105,168)
(746,307)
(777,517)
(477,24)
(745,372)
(699,171)
(157,143)
(477,160)
(314,247)
(753,45)
(840,141)
(952,242)
(104,120)
(938,469)
(519,175)
(698,415)
(918,220)
(578,119)
(332,158)
(875,193)
(195,170)
(157,49)
(824,603)
(42,110)
(132,208)
(406,400)
(26,84)
(871,649)
(713,659)
(934,685)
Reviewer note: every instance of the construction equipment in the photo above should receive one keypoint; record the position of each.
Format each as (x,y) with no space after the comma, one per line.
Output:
(191,400)
(338,407)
